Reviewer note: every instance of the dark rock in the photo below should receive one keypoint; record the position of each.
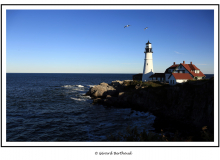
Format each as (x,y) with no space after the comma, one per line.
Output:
(190,103)
(98,100)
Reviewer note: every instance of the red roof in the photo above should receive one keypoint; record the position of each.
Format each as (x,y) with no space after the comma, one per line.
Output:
(191,68)
(182,76)
(171,67)
(174,66)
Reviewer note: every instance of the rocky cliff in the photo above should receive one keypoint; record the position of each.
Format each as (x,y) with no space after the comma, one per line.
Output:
(190,103)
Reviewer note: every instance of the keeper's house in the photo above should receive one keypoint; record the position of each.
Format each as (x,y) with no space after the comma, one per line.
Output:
(178,73)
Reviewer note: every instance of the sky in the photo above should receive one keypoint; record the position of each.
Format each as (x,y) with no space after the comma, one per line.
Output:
(95,41)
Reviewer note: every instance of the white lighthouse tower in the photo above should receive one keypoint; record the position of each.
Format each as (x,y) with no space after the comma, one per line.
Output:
(148,62)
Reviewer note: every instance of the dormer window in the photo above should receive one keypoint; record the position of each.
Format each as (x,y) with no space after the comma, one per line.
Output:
(196,71)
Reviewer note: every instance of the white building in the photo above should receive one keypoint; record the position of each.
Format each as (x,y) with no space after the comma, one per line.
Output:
(181,68)
(148,62)
(179,78)
(178,73)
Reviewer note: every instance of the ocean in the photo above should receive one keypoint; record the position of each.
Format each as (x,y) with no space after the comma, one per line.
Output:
(42,107)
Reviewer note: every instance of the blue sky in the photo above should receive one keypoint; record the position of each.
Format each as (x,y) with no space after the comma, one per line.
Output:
(95,41)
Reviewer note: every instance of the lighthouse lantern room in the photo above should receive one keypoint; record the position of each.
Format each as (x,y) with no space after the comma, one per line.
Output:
(148,62)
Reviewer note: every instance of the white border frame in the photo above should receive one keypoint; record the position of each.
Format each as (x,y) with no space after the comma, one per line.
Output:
(109,7)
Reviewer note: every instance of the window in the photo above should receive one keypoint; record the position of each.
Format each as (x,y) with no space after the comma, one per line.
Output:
(173,81)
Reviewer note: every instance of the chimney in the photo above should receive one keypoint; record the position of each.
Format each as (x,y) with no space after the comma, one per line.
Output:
(183,62)
(174,63)
(190,62)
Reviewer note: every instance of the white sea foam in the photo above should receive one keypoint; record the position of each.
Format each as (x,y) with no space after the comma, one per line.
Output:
(68,86)
(85,97)
(75,88)
(78,99)
(90,86)
(79,86)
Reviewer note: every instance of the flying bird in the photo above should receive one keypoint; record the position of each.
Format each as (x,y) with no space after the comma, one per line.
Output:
(146,28)
(126,26)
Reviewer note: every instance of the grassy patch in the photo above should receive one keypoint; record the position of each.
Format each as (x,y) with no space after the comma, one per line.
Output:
(143,84)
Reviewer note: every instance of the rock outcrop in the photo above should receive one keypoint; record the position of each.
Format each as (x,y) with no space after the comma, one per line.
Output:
(104,89)
(191,103)
(101,90)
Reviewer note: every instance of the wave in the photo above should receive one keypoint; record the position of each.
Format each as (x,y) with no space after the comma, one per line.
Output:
(70,86)
(81,98)
(78,99)
(79,86)
(90,86)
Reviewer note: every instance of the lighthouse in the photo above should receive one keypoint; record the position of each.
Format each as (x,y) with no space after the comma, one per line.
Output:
(148,62)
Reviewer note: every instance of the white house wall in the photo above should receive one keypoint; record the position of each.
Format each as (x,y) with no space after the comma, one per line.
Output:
(172,80)
(181,80)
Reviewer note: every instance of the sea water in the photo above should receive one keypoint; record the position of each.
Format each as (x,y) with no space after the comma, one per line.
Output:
(51,107)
